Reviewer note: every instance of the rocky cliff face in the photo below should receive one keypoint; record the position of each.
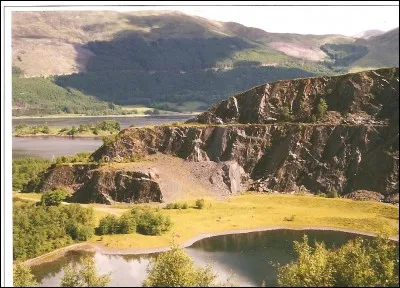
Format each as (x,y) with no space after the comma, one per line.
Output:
(372,95)
(280,157)
(279,137)
(91,183)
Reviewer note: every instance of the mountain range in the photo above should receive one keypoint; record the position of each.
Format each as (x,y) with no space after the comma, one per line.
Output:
(167,59)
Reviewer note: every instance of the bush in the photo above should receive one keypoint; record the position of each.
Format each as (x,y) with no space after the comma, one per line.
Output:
(127,224)
(73,131)
(177,205)
(286,114)
(358,263)
(84,275)
(150,221)
(200,203)
(27,169)
(109,140)
(22,276)
(153,223)
(333,194)
(176,269)
(322,108)
(46,130)
(79,231)
(78,157)
(322,195)
(53,198)
(291,218)
(144,220)
(41,229)
(170,206)
(109,225)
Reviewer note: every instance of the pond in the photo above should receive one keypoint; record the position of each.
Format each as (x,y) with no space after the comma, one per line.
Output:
(250,257)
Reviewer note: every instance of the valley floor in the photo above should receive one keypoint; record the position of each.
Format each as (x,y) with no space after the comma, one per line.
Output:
(252,212)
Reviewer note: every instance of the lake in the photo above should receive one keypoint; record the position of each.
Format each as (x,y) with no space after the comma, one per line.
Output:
(250,257)
(50,146)
(125,121)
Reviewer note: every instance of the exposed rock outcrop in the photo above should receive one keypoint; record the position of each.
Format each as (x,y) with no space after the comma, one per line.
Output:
(276,137)
(90,183)
(281,156)
(372,94)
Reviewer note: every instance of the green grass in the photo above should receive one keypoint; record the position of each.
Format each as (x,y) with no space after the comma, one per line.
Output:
(260,210)
(252,210)
(28,196)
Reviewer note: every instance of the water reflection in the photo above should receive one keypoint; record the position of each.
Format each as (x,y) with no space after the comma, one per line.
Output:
(251,257)
(47,146)
(125,121)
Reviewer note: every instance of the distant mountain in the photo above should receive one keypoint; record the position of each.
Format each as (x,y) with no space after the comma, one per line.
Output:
(383,50)
(167,58)
(368,34)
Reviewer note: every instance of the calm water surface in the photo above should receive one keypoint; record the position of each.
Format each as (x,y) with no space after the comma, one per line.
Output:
(125,121)
(250,257)
(47,146)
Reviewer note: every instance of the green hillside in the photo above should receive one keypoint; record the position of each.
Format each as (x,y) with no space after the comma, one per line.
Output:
(41,96)
(383,50)
(157,58)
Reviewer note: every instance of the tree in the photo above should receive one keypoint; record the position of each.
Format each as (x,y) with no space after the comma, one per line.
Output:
(322,108)
(85,275)
(22,276)
(200,203)
(53,198)
(311,268)
(358,263)
(176,269)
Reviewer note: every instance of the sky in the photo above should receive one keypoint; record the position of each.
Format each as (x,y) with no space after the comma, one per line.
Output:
(345,20)
(300,19)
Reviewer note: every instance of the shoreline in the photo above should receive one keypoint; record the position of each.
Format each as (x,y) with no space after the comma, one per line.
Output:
(101,116)
(96,247)
(63,136)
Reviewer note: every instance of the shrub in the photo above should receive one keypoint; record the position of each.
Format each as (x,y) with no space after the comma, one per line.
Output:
(322,108)
(200,203)
(170,206)
(127,224)
(333,194)
(109,140)
(291,218)
(358,263)
(22,276)
(150,221)
(53,198)
(79,231)
(40,229)
(177,205)
(46,130)
(108,225)
(322,195)
(84,275)
(286,114)
(144,220)
(73,131)
(176,269)
(27,169)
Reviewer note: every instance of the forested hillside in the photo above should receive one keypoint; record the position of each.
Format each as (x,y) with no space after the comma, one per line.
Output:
(166,59)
